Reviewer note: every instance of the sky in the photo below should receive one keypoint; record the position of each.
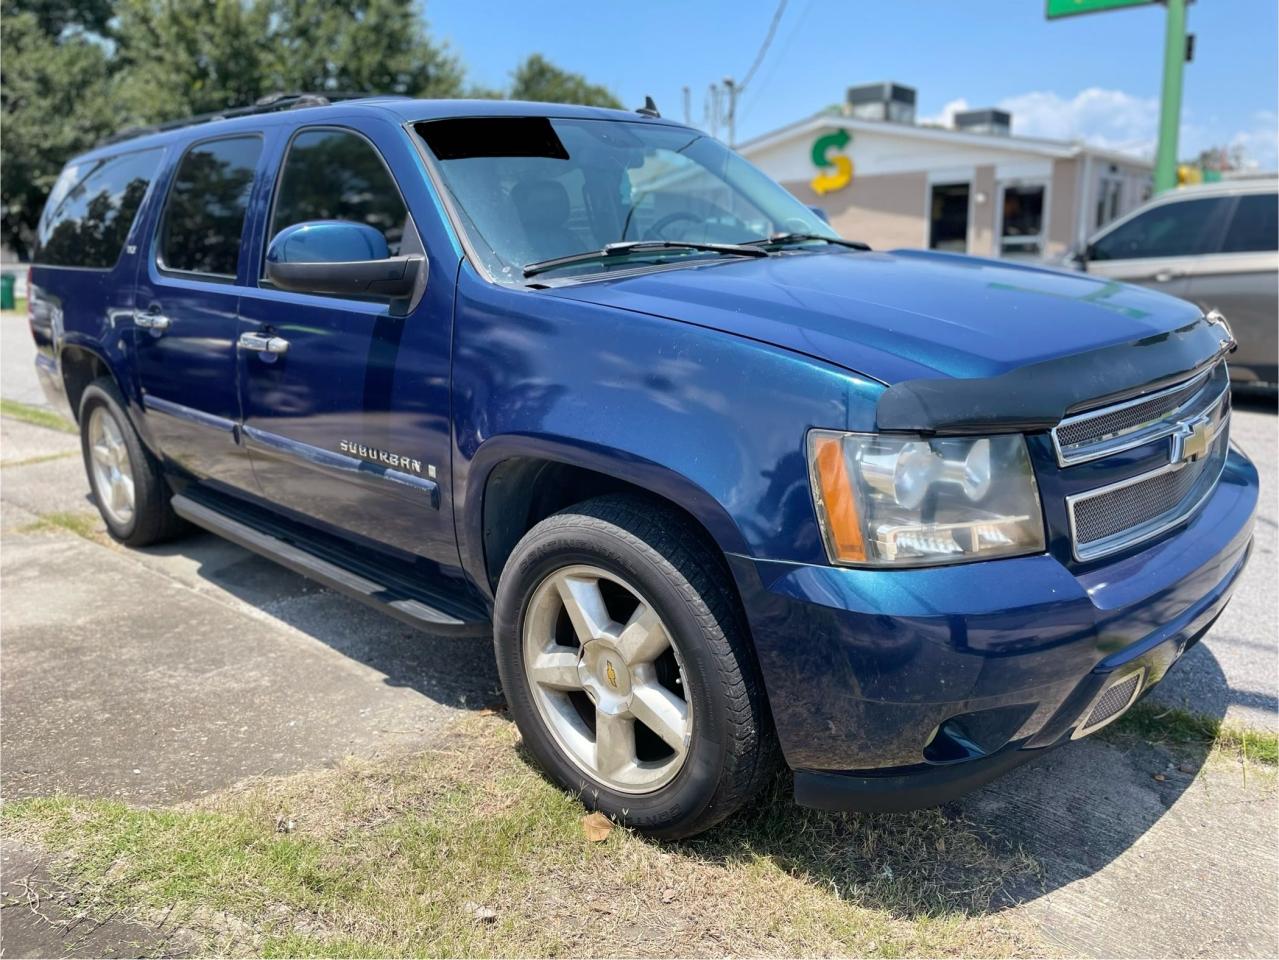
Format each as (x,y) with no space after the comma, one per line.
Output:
(1095,77)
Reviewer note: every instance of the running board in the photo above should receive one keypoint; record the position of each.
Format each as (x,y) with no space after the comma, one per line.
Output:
(394,599)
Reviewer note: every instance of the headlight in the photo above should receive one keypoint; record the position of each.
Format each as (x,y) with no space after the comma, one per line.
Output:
(908,501)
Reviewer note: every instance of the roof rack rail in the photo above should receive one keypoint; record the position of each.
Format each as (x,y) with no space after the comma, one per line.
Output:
(270,103)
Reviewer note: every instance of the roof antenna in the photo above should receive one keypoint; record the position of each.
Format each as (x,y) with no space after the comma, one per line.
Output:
(649,109)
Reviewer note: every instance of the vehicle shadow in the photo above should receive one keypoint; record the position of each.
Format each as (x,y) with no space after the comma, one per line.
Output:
(457,672)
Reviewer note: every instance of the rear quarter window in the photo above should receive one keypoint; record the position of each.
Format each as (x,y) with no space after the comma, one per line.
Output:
(92,209)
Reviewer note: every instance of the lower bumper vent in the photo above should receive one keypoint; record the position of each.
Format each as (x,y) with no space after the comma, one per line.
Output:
(1117,698)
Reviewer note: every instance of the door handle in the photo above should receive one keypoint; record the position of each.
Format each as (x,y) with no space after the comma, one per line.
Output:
(260,343)
(152,321)
(1163,276)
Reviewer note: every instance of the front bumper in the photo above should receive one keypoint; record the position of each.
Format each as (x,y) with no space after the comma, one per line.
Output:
(904,688)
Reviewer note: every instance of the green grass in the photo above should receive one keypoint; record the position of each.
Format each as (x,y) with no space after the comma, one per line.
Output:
(392,858)
(1159,724)
(85,525)
(37,416)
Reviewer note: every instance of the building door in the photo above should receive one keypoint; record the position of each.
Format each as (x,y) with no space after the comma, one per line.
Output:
(948,218)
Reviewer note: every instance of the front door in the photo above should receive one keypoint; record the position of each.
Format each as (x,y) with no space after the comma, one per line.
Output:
(348,427)
(185,312)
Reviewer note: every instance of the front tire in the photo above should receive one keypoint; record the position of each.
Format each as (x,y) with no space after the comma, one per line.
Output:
(628,669)
(127,482)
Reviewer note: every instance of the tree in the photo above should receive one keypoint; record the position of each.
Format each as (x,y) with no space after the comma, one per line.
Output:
(181,59)
(539,79)
(54,97)
(56,16)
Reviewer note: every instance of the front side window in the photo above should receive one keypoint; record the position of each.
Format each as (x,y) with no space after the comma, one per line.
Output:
(1253,228)
(530,189)
(204,218)
(337,175)
(1180,229)
(91,210)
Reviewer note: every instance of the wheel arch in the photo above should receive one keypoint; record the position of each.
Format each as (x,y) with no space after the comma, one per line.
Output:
(523,480)
(80,366)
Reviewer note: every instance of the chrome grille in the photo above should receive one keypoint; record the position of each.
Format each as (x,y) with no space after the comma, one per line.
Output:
(1122,514)
(1122,426)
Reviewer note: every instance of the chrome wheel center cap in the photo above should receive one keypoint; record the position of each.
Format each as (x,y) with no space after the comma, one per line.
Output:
(605,677)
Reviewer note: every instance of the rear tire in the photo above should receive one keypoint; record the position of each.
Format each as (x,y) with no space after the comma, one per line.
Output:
(628,669)
(127,482)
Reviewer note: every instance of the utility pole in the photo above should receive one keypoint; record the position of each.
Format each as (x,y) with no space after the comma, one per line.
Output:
(1170,106)
(688,106)
(712,110)
(730,92)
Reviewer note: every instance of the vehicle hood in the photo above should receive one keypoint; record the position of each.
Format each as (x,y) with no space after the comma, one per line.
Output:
(900,315)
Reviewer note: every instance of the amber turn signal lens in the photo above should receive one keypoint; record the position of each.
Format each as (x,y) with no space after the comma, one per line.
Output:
(843,525)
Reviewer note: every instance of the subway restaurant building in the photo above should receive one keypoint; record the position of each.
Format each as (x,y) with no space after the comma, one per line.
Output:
(972,188)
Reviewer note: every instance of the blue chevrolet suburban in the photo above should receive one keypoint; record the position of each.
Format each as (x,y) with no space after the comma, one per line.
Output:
(724,488)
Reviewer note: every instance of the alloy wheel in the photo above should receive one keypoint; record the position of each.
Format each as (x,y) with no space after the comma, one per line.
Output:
(607,678)
(112,471)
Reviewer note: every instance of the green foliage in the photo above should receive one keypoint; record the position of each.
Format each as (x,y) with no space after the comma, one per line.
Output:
(539,79)
(182,59)
(55,16)
(54,97)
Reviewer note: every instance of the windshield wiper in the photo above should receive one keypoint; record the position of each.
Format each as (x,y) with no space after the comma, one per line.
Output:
(782,239)
(624,248)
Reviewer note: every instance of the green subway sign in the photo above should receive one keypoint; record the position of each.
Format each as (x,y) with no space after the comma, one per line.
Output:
(1069,8)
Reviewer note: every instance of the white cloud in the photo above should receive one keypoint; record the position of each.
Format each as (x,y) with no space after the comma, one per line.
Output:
(1259,145)
(946,118)
(1119,121)
(1110,119)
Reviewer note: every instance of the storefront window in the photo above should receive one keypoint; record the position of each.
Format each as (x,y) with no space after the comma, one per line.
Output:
(1108,201)
(1022,234)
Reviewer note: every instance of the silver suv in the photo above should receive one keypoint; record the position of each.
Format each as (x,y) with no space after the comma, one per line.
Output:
(1214,245)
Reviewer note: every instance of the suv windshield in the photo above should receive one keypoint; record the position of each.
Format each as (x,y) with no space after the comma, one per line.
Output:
(532,189)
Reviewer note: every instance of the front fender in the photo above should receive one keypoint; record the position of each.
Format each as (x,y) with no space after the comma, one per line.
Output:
(713,422)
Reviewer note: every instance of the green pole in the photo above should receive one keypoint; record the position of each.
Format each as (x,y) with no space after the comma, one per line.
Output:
(1170,107)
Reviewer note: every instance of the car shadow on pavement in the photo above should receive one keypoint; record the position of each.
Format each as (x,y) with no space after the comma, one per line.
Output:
(456,672)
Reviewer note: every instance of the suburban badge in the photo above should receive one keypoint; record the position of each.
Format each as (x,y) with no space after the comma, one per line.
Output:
(397,460)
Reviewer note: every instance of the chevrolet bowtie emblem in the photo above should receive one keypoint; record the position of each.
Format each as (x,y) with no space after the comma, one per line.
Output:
(1191,441)
(611,674)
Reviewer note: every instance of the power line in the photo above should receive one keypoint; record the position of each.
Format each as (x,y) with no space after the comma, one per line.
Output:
(763,48)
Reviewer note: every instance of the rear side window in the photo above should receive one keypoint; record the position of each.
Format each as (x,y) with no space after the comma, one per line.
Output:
(338,175)
(1254,227)
(1180,229)
(91,210)
(204,217)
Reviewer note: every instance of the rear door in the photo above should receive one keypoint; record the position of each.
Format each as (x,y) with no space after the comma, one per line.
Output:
(1241,279)
(349,427)
(1157,247)
(185,314)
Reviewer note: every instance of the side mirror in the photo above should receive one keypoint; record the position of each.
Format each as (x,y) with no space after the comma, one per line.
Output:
(340,257)
(1077,257)
(821,214)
